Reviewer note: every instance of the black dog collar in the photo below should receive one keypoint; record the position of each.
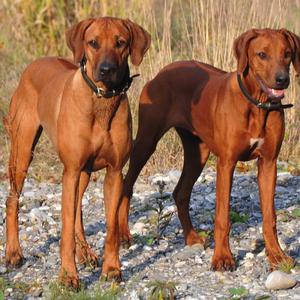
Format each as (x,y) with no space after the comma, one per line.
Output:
(266,105)
(99,92)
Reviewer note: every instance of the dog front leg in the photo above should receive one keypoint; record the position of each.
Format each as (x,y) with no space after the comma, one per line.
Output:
(267,172)
(68,273)
(222,259)
(113,184)
(84,253)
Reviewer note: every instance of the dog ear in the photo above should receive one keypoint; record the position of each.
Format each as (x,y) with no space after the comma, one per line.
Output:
(240,47)
(75,37)
(140,42)
(294,41)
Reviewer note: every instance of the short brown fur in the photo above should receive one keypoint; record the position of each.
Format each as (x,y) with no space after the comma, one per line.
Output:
(88,133)
(210,113)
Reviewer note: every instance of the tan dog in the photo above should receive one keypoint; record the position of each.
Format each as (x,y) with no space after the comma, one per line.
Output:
(211,111)
(89,131)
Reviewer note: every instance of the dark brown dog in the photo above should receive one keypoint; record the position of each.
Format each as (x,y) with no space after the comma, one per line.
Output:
(89,132)
(210,113)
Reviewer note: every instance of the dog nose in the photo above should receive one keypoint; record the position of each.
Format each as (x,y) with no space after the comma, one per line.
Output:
(282,79)
(107,68)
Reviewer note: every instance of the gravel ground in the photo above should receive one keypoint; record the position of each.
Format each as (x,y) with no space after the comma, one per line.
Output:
(158,251)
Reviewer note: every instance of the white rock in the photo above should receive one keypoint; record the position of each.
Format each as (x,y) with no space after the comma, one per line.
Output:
(133,247)
(85,200)
(174,175)
(249,255)
(44,208)
(147,248)
(29,194)
(278,280)
(139,227)
(36,214)
(134,295)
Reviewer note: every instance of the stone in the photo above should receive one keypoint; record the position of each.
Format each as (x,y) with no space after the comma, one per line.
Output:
(147,248)
(278,280)
(138,228)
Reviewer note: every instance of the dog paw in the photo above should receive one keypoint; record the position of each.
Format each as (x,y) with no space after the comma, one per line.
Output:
(193,238)
(85,255)
(14,258)
(112,275)
(125,239)
(223,263)
(125,243)
(69,279)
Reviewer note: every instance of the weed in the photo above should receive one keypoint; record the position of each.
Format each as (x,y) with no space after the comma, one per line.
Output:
(57,291)
(2,287)
(238,293)
(162,290)
(286,266)
(296,213)
(161,219)
(237,217)
(263,297)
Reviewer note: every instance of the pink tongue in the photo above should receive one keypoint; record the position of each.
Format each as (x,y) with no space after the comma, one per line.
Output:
(276,93)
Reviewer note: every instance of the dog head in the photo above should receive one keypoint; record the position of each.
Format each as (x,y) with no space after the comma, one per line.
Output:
(107,43)
(267,54)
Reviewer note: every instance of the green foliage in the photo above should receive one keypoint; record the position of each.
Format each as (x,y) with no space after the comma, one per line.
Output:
(296,213)
(286,216)
(20,288)
(204,234)
(57,291)
(162,290)
(286,266)
(237,217)
(2,287)
(238,293)
(263,297)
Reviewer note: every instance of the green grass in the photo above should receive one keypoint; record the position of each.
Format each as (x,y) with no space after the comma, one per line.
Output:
(162,290)
(57,291)
(238,293)
(286,266)
(237,217)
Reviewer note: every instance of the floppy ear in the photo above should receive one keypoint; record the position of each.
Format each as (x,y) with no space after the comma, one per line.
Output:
(240,47)
(294,41)
(140,42)
(75,36)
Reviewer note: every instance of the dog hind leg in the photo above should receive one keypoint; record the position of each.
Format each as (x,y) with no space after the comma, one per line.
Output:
(24,129)
(195,156)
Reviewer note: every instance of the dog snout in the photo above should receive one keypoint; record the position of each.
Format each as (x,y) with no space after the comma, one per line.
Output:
(107,68)
(282,80)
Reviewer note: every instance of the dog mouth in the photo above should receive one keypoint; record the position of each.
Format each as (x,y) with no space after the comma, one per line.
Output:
(272,93)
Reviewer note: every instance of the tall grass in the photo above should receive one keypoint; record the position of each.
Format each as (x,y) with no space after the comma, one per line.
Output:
(180,29)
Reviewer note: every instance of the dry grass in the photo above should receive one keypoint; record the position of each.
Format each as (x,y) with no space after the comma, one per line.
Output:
(180,29)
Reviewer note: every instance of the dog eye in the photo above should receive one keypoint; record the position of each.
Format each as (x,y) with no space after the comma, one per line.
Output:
(94,44)
(262,55)
(120,43)
(287,54)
